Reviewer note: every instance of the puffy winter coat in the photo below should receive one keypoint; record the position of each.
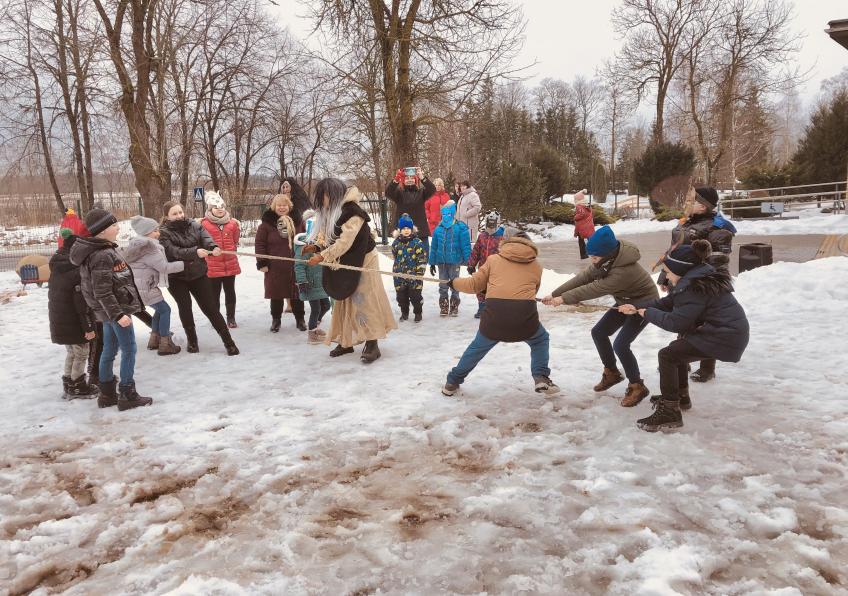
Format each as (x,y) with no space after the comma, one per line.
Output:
(468,210)
(487,245)
(69,315)
(433,207)
(410,257)
(705,226)
(107,281)
(313,275)
(450,245)
(150,267)
(702,309)
(510,280)
(279,280)
(620,276)
(181,239)
(227,237)
(411,200)
(584,222)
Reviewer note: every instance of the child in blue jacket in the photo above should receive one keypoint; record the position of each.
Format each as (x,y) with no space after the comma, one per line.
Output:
(450,247)
(411,258)
(310,284)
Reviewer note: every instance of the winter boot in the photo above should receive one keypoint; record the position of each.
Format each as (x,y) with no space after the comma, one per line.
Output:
(129,398)
(300,323)
(108,393)
(167,346)
(685,400)
(610,377)
(370,352)
(701,376)
(454,307)
(81,389)
(191,341)
(666,416)
(275,325)
(545,385)
(153,342)
(443,307)
(232,349)
(340,351)
(231,322)
(416,308)
(313,337)
(404,313)
(480,307)
(66,390)
(636,392)
(449,389)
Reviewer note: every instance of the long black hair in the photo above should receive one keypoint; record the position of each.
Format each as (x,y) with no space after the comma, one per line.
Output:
(300,199)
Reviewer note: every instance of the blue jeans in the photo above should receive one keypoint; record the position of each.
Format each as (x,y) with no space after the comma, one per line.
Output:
(317,310)
(161,318)
(631,327)
(116,337)
(477,350)
(447,272)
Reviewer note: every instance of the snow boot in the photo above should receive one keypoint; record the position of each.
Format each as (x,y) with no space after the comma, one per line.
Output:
(275,325)
(636,392)
(191,341)
(685,400)
(454,307)
(129,398)
(610,377)
(81,389)
(370,352)
(314,337)
(167,346)
(340,351)
(66,391)
(480,307)
(153,342)
(231,322)
(449,389)
(300,323)
(404,313)
(443,307)
(545,385)
(232,349)
(701,376)
(666,416)
(108,393)
(416,309)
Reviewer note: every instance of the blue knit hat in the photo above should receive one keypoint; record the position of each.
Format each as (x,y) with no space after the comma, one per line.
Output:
(405,222)
(449,208)
(681,260)
(602,242)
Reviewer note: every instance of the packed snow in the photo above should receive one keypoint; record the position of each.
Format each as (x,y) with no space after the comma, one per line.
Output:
(807,222)
(281,471)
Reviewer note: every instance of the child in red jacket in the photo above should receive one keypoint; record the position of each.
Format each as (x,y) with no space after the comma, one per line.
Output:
(222,270)
(584,222)
(487,244)
(433,205)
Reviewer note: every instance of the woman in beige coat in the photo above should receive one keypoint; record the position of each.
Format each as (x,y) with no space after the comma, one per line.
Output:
(341,234)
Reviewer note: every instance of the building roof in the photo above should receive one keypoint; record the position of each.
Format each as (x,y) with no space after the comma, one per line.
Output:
(838,31)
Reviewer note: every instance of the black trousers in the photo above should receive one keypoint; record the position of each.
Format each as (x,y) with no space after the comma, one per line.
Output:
(201,289)
(407,295)
(228,283)
(582,244)
(674,362)
(297,306)
(95,352)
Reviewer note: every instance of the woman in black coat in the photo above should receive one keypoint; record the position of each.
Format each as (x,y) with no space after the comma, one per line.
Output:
(409,192)
(299,198)
(700,307)
(186,240)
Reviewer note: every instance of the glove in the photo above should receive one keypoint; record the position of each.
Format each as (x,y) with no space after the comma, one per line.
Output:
(450,284)
(471,270)
(303,287)
(400,176)
(433,270)
(260,263)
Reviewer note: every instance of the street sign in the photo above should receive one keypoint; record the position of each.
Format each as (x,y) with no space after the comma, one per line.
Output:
(199,193)
(771,207)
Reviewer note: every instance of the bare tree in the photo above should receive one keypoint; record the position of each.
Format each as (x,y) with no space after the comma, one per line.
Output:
(619,103)
(588,98)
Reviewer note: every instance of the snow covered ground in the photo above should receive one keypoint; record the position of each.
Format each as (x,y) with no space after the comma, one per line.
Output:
(282,471)
(808,222)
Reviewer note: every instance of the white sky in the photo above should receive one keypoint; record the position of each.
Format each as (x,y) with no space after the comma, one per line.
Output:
(570,37)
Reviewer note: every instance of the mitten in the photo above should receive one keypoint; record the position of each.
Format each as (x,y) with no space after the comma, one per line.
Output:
(471,270)
(433,270)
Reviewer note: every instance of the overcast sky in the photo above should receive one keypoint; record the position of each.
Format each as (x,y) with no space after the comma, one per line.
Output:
(569,37)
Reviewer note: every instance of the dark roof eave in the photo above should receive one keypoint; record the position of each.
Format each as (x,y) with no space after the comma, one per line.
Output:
(838,32)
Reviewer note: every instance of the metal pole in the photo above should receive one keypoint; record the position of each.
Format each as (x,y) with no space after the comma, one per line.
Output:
(384,220)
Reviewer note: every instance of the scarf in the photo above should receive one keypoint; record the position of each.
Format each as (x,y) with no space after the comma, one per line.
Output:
(285,226)
(218,221)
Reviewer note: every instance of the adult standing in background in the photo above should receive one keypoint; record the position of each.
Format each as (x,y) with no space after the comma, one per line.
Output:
(299,198)
(584,222)
(410,190)
(468,209)
(434,205)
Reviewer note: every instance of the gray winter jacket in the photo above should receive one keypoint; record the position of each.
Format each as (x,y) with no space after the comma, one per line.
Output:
(150,267)
(107,281)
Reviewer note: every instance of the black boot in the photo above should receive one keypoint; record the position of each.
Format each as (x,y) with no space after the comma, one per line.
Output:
(191,341)
(301,324)
(340,351)
(231,316)
(275,325)
(130,398)
(685,400)
(81,389)
(416,308)
(404,313)
(443,307)
(702,376)
(666,416)
(232,349)
(370,352)
(66,391)
(454,307)
(108,393)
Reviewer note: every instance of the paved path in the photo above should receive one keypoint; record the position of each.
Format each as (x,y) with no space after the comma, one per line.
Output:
(564,257)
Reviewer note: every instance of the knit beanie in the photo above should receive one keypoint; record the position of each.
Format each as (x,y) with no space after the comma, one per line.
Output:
(707,196)
(602,242)
(681,260)
(98,220)
(66,233)
(449,209)
(143,225)
(405,222)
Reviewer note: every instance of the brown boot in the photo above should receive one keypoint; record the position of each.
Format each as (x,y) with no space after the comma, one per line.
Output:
(167,346)
(636,392)
(611,377)
(153,342)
